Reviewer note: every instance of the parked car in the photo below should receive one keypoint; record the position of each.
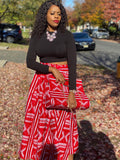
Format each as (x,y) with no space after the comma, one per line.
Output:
(100,33)
(88,31)
(83,41)
(10,33)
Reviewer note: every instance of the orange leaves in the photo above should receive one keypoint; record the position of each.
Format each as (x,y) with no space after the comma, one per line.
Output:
(92,11)
(70,16)
(88,11)
(99,101)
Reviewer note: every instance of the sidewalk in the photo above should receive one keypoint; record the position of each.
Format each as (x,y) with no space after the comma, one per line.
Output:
(111,40)
(2,63)
(4,47)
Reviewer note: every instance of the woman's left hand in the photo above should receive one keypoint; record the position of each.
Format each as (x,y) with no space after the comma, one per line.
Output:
(71,100)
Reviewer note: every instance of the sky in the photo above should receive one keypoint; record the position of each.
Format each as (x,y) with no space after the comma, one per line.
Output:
(68,3)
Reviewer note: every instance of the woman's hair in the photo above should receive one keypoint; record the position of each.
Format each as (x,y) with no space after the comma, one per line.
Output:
(41,17)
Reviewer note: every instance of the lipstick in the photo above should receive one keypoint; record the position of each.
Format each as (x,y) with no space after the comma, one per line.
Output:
(56,21)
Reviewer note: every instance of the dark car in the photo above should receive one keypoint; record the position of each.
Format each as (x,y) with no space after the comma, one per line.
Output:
(83,41)
(10,33)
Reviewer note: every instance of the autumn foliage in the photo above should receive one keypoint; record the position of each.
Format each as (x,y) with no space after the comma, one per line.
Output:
(112,10)
(92,11)
(70,16)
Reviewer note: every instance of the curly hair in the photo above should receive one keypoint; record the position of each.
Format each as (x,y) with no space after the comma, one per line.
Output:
(41,21)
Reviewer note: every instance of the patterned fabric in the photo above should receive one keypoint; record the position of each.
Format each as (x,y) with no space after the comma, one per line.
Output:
(47,134)
(56,97)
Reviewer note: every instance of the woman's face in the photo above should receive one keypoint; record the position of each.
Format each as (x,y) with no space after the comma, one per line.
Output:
(53,17)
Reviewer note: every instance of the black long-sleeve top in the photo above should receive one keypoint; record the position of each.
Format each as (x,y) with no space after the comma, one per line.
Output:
(60,49)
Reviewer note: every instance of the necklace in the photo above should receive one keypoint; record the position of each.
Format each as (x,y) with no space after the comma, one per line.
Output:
(52,36)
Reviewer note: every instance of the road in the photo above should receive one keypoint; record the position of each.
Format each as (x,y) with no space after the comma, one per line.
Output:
(105,54)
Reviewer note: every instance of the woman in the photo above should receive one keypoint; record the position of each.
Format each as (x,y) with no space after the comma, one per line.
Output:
(50,134)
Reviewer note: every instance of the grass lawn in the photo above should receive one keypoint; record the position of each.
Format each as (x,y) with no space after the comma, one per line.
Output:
(14,46)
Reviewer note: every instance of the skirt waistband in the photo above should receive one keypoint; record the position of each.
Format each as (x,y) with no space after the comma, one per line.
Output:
(56,65)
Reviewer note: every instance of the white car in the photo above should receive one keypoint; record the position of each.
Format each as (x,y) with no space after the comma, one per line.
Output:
(100,33)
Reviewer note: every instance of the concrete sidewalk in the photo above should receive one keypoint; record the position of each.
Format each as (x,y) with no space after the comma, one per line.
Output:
(110,40)
(2,63)
(4,47)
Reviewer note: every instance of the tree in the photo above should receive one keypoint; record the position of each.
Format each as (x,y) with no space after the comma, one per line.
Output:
(14,14)
(11,11)
(30,8)
(3,9)
(111,10)
(92,12)
(70,16)
(77,12)
(14,11)
(74,15)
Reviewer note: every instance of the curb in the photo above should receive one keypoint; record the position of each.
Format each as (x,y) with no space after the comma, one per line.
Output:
(107,40)
(6,47)
(2,63)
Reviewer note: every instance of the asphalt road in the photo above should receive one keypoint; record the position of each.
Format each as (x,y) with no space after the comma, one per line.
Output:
(105,54)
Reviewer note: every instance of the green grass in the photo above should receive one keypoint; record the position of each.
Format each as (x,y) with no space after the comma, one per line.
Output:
(26,34)
(22,45)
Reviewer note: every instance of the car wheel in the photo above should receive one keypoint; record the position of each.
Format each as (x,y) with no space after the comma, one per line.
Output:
(10,39)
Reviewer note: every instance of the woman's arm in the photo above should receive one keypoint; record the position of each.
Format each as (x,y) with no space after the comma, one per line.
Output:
(71,58)
(59,76)
(31,57)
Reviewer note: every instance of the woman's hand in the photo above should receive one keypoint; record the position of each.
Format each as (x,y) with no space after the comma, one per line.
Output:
(71,100)
(59,76)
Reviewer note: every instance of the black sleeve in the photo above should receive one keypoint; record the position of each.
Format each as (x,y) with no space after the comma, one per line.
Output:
(71,58)
(31,58)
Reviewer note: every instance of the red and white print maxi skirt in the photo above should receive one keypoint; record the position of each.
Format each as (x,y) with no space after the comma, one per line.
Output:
(47,134)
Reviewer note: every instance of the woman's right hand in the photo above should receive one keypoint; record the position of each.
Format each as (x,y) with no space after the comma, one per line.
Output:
(59,76)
